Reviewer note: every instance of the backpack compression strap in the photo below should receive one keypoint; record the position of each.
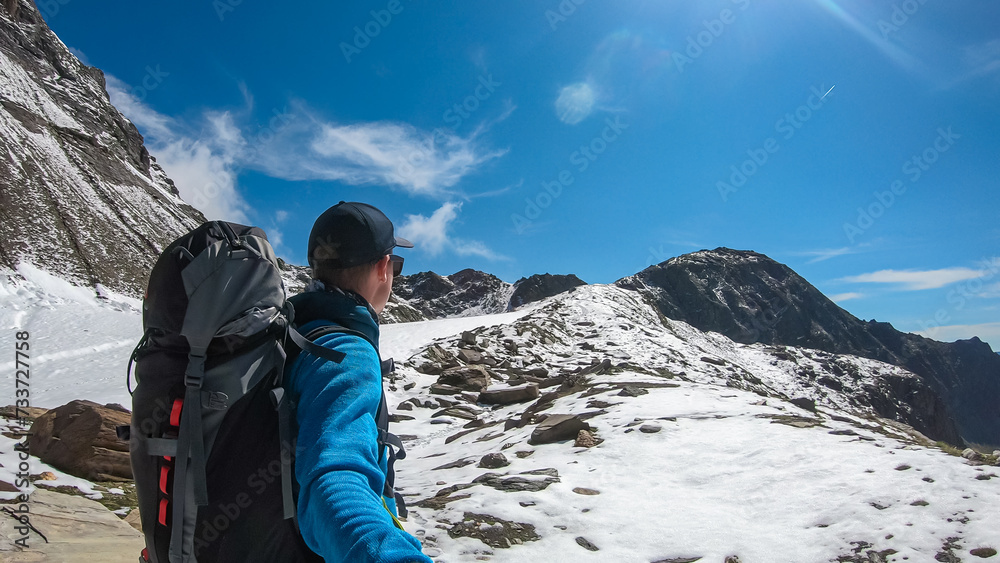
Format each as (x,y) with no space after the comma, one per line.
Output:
(284,407)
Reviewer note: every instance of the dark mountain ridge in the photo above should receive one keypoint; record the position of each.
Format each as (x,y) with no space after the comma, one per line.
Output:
(751,298)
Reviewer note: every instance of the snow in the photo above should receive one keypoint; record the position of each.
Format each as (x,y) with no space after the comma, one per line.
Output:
(723,476)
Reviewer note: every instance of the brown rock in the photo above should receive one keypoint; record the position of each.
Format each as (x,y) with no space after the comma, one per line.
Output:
(587,492)
(509,395)
(585,439)
(133,519)
(80,439)
(557,427)
(470,356)
(468,378)
(47,476)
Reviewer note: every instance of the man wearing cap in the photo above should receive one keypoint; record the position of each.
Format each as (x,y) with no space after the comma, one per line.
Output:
(345,510)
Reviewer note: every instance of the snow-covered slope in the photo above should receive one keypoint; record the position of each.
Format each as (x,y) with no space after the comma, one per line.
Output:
(81,195)
(712,460)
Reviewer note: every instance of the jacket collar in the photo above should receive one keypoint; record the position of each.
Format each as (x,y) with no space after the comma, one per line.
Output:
(346,308)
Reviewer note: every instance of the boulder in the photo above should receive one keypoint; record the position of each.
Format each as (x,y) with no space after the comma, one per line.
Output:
(584,439)
(469,338)
(557,427)
(632,391)
(468,378)
(80,439)
(470,356)
(804,403)
(510,395)
(493,461)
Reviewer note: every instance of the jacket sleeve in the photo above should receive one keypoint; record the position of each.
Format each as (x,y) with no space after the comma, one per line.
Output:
(341,517)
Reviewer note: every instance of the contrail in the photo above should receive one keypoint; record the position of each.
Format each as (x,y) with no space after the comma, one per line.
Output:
(828,92)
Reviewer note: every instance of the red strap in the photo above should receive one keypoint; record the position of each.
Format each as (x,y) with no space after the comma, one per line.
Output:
(175,412)
(163,511)
(145,554)
(164,473)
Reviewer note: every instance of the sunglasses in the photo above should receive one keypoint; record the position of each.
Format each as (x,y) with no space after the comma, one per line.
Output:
(397,264)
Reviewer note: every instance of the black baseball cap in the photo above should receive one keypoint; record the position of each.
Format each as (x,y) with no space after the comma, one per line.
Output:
(350,234)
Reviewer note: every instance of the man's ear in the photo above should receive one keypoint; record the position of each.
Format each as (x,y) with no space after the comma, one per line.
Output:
(382,269)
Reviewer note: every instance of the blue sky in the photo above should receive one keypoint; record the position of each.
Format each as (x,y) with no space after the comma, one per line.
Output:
(856,141)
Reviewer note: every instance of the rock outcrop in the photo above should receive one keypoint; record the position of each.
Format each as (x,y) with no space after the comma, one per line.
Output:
(80,439)
(750,298)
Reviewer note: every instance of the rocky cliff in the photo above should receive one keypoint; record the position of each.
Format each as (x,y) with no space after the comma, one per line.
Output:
(79,193)
(749,298)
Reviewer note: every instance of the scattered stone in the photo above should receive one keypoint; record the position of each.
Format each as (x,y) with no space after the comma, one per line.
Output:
(455,464)
(733,559)
(465,412)
(714,361)
(632,391)
(469,337)
(902,467)
(400,417)
(650,428)
(557,427)
(467,378)
(526,504)
(524,453)
(510,395)
(928,479)
(474,423)
(597,369)
(514,484)
(804,403)
(985,476)
(599,404)
(133,519)
(537,371)
(678,560)
(972,455)
(470,356)
(586,544)
(441,421)
(587,492)
(847,432)
(920,502)
(549,471)
(409,386)
(983,552)
(440,389)
(80,438)
(430,368)
(584,439)
(493,461)
(47,476)
(405,406)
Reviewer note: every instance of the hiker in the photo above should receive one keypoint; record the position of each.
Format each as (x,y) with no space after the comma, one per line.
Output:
(345,511)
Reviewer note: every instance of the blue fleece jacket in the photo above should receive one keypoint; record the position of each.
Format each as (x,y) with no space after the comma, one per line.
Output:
(337,462)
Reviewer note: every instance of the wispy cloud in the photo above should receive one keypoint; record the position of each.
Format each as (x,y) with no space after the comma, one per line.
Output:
(825,254)
(990,292)
(575,103)
(430,234)
(841,297)
(203,161)
(913,280)
(988,332)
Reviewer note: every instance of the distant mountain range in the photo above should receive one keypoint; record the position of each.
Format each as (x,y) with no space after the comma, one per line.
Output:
(83,198)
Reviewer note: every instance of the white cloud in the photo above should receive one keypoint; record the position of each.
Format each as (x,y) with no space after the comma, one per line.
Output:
(824,254)
(203,164)
(575,103)
(79,55)
(430,234)
(987,332)
(378,153)
(280,216)
(841,297)
(913,280)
